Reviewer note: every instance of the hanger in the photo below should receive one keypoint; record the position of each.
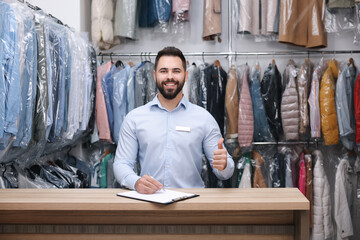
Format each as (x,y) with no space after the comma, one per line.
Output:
(217,64)
(351,62)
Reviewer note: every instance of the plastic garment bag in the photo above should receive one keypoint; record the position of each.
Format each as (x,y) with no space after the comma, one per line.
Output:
(343,199)
(246,117)
(232,105)
(313,100)
(322,225)
(345,105)
(329,125)
(261,126)
(302,23)
(9,75)
(259,180)
(126,18)
(212,20)
(357,109)
(303,87)
(290,103)
(270,87)
(180,19)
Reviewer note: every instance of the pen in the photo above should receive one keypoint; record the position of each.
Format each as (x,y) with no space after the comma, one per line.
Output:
(163,188)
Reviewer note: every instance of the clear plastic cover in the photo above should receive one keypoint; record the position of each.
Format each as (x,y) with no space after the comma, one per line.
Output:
(313,100)
(271,93)
(357,110)
(299,17)
(261,127)
(329,125)
(9,75)
(246,116)
(357,24)
(180,19)
(126,18)
(344,99)
(102,29)
(303,87)
(212,20)
(290,103)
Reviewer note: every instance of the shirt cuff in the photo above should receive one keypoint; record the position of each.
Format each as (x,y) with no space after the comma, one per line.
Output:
(130,181)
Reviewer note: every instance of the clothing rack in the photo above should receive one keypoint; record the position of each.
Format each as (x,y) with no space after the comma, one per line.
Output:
(227,54)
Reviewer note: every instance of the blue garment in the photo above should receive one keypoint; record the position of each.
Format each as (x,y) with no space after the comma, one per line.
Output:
(345,109)
(131,87)
(9,74)
(120,99)
(261,126)
(107,85)
(173,157)
(67,82)
(29,80)
(154,11)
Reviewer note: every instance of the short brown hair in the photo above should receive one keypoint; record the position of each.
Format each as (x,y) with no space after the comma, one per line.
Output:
(170,51)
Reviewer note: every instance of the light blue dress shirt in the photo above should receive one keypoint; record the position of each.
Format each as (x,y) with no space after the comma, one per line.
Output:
(9,74)
(169,145)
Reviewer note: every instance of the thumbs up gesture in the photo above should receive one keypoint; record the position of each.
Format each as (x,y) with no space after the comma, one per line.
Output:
(220,156)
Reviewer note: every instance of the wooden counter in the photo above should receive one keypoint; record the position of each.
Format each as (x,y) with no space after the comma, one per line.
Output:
(286,207)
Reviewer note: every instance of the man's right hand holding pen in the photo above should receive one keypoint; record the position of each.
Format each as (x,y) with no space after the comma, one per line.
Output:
(148,185)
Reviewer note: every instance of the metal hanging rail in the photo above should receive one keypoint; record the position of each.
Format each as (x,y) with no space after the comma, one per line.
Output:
(227,54)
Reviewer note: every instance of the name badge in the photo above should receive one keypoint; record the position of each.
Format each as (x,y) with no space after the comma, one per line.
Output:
(182,129)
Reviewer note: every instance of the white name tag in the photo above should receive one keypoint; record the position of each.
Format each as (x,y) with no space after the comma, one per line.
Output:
(182,129)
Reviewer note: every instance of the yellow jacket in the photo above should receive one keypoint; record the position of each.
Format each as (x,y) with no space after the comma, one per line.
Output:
(329,125)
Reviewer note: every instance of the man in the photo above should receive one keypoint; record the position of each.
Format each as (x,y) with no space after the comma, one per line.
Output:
(168,135)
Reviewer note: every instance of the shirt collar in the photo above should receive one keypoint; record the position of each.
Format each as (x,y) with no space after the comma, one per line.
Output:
(183,103)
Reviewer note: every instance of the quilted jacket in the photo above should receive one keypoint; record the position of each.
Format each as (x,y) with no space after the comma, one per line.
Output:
(246,118)
(329,125)
(322,222)
(290,104)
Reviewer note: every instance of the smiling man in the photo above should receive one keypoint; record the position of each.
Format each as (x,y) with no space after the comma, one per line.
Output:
(169,135)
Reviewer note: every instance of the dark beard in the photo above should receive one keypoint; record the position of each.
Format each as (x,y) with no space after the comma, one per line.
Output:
(170,94)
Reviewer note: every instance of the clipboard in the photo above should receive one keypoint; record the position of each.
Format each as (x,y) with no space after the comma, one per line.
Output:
(162,197)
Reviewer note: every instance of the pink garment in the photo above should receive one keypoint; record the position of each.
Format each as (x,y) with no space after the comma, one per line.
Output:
(302,174)
(246,117)
(101,116)
(180,8)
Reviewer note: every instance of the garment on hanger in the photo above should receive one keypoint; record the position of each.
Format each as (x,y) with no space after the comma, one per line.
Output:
(259,181)
(246,117)
(153,12)
(215,79)
(120,106)
(302,174)
(309,183)
(313,100)
(343,197)
(126,18)
(42,98)
(340,4)
(329,125)
(232,105)
(9,75)
(261,127)
(345,105)
(303,88)
(212,20)
(302,23)
(357,109)
(322,225)
(271,93)
(249,18)
(290,103)
(270,16)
